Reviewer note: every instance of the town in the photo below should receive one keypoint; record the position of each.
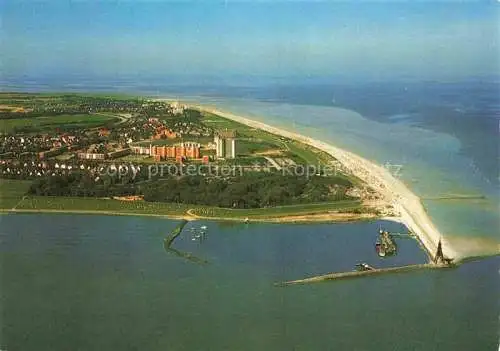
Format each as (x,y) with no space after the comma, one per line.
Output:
(101,146)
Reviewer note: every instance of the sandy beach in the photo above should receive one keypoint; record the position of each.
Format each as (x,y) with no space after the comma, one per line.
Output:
(406,204)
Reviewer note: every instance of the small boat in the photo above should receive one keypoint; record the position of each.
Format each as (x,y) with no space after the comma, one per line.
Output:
(380,249)
(203,227)
(362,267)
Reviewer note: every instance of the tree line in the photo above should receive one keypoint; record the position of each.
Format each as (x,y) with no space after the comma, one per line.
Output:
(253,190)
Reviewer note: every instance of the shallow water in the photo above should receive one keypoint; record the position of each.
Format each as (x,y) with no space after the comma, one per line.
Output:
(101,282)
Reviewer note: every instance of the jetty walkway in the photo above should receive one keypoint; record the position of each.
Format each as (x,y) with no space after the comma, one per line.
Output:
(357,274)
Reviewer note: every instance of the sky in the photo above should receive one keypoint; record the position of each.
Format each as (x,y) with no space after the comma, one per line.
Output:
(364,40)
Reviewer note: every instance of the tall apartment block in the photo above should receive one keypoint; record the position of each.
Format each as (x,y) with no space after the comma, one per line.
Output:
(225,144)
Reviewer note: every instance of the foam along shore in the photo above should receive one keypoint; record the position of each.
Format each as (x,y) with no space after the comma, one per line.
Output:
(395,192)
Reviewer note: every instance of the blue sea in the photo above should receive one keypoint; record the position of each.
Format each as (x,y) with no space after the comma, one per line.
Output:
(78,282)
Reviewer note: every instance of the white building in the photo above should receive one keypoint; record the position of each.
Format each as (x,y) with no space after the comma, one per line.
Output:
(225,144)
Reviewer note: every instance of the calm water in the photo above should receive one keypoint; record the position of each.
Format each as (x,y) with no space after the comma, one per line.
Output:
(75,282)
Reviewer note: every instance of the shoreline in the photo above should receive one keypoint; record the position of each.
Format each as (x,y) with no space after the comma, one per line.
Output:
(189,216)
(409,206)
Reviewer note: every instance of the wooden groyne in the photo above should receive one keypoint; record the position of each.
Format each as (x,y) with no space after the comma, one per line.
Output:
(357,274)
(456,197)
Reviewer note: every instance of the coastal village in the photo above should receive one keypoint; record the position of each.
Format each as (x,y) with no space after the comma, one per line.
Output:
(77,134)
(113,143)
(136,137)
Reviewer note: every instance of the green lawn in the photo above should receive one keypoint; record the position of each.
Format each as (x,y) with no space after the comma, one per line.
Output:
(94,204)
(306,154)
(159,208)
(217,122)
(12,191)
(245,161)
(249,147)
(302,209)
(53,122)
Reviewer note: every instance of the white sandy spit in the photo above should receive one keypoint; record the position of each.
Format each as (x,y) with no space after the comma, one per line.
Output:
(406,203)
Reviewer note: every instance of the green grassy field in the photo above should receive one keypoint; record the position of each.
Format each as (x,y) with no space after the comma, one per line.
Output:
(246,161)
(12,191)
(302,209)
(249,147)
(217,122)
(54,122)
(103,205)
(307,154)
(23,99)
(157,208)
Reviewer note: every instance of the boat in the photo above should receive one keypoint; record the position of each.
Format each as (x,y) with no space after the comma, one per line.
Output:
(385,244)
(363,267)
(203,227)
(380,248)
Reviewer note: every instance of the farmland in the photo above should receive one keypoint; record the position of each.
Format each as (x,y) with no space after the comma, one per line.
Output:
(46,123)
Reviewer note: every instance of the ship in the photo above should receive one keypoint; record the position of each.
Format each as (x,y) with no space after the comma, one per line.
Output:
(379,248)
(385,244)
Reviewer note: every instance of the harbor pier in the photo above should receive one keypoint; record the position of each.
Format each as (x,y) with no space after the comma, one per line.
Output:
(438,260)
(362,273)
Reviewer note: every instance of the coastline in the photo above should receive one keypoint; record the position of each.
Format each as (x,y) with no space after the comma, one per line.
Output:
(411,211)
(328,217)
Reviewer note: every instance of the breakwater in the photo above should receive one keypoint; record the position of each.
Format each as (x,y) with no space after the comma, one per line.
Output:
(174,233)
(170,238)
(357,274)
